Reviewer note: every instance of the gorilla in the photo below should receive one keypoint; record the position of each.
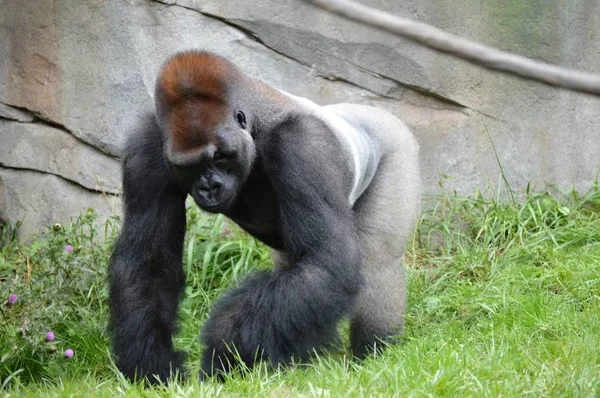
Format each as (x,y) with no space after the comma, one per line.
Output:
(333,190)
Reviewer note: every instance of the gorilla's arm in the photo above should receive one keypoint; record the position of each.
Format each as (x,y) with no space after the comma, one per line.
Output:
(287,313)
(145,274)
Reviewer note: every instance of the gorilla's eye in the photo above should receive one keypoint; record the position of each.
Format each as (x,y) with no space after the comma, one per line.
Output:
(241,119)
(222,157)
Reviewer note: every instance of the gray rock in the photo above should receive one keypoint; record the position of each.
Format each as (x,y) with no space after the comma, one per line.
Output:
(39,200)
(11,113)
(88,68)
(50,150)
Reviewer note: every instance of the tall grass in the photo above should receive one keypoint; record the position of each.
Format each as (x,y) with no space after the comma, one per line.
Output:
(504,300)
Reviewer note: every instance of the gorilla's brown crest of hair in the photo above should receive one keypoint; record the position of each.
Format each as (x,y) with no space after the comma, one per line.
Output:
(191,98)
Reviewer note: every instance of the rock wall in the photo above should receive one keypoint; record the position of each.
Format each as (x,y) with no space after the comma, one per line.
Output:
(75,76)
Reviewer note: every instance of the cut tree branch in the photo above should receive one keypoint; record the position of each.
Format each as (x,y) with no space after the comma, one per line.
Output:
(475,53)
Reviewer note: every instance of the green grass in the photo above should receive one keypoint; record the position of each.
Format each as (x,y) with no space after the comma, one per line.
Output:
(504,301)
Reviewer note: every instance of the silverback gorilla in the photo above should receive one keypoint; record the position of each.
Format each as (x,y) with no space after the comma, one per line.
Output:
(333,190)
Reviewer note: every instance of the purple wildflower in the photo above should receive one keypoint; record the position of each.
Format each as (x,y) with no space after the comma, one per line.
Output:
(50,336)
(68,248)
(12,298)
(69,353)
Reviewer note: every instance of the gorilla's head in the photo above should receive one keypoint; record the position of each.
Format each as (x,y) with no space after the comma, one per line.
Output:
(207,135)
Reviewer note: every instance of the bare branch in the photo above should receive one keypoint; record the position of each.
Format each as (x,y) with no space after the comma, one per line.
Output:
(465,49)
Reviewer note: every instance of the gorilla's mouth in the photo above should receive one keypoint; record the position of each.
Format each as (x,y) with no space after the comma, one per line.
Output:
(216,206)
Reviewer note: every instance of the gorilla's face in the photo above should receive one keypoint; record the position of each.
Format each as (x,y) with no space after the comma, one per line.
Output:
(215,173)
(207,141)
(216,188)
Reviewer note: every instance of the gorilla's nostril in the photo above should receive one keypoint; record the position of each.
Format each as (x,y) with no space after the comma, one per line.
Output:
(210,188)
(216,189)
(216,184)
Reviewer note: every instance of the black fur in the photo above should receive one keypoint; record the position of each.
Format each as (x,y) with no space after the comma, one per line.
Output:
(146,277)
(289,201)
(288,313)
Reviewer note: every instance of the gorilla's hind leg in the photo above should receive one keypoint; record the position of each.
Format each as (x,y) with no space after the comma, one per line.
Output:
(386,214)
(378,317)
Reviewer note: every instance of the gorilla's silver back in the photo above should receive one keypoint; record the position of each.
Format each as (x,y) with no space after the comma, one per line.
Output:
(366,134)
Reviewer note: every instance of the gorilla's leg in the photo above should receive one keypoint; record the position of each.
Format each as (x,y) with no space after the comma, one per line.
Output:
(386,214)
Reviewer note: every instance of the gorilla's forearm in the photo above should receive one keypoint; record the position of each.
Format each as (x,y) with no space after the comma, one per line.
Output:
(282,315)
(145,274)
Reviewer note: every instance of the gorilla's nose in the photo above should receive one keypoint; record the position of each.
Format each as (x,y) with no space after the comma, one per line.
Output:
(210,187)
